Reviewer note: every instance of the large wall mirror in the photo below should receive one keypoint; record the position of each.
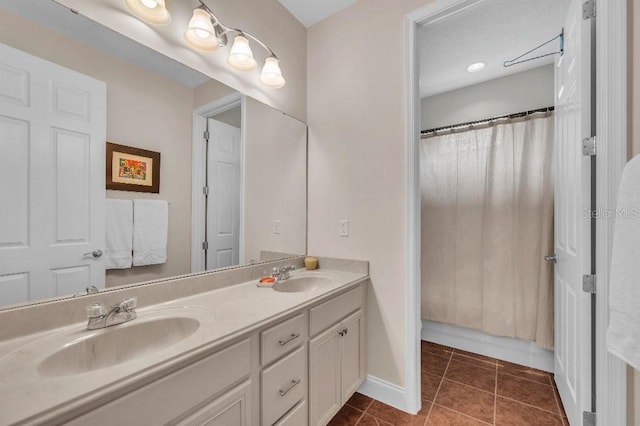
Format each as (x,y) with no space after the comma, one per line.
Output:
(238,198)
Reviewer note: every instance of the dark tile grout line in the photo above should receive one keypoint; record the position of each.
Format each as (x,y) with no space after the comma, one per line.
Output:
(435,396)
(495,398)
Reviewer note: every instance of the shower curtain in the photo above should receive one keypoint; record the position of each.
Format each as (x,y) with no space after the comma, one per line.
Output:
(487,222)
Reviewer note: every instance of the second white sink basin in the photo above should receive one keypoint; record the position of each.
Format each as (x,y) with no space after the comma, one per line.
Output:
(302,283)
(114,345)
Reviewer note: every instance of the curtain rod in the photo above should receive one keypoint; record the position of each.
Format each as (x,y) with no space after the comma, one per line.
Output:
(487,120)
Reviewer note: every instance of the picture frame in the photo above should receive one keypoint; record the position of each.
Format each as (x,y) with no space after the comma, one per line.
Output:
(132,169)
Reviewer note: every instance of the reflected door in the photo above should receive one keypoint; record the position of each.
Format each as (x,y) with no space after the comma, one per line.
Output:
(52,179)
(572,352)
(223,201)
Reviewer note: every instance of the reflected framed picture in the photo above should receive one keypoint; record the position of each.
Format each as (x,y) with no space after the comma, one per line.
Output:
(132,169)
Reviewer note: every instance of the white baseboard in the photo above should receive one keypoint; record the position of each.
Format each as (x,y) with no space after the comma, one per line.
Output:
(386,392)
(505,348)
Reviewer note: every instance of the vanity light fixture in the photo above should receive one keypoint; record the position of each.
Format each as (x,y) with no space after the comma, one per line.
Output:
(241,57)
(476,66)
(206,33)
(150,11)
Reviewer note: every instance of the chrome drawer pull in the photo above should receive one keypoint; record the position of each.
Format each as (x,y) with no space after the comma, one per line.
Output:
(293,384)
(288,339)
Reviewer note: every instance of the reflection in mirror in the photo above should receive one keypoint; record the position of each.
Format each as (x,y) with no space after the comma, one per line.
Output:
(71,85)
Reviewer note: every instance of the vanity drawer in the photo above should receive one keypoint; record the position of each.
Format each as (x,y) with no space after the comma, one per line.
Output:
(175,394)
(328,313)
(281,339)
(296,417)
(284,384)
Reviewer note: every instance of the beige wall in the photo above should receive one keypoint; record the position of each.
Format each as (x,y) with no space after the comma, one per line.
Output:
(357,170)
(275,181)
(524,91)
(140,118)
(267,19)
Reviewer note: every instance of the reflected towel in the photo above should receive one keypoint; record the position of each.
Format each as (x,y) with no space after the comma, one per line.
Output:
(150,224)
(623,335)
(119,234)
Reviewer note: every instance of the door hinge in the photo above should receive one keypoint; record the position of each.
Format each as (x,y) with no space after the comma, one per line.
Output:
(205,245)
(588,418)
(205,191)
(589,283)
(589,146)
(206,136)
(589,9)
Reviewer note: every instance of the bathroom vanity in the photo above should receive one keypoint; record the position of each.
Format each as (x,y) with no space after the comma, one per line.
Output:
(236,354)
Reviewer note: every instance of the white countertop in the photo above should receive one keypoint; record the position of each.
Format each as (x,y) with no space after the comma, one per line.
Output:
(224,315)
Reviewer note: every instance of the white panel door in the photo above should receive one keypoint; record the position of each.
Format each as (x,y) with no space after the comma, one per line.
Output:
(572,224)
(52,190)
(223,202)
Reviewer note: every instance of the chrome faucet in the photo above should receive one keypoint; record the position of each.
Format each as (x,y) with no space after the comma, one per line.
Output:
(282,273)
(100,317)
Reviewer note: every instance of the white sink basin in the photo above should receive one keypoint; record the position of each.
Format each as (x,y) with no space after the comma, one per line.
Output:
(114,345)
(302,283)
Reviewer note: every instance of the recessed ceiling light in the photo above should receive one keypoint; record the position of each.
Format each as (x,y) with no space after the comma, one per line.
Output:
(476,66)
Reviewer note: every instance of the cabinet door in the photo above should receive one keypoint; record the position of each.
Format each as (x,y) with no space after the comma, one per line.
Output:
(324,376)
(352,355)
(231,409)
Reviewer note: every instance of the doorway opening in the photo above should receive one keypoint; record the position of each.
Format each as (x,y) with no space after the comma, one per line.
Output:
(218,153)
(611,30)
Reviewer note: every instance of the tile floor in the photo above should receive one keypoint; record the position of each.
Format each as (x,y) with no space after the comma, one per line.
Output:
(465,389)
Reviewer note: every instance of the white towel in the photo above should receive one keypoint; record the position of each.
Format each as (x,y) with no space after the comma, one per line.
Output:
(150,224)
(119,234)
(623,335)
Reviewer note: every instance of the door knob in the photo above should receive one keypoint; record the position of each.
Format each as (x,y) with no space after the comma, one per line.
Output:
(551,258)
(95,253)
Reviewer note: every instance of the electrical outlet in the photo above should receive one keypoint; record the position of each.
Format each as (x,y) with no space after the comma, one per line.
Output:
(343,230)
(276,227)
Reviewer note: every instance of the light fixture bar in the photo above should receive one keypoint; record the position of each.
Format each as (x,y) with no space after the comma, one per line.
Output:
(225,30)
(206,33)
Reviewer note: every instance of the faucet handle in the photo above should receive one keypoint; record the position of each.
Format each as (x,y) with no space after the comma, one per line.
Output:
(96,310)
(129,304)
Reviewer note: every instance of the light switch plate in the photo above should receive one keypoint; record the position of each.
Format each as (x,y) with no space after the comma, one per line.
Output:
(343,230)
(276,227)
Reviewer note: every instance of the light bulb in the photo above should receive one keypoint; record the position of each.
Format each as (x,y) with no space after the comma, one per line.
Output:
(241,56)
(476,66)
(271,75)
(200,33)
(149,3)
(150,11)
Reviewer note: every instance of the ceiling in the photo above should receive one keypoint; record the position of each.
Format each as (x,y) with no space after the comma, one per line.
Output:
(310,12)
(493,32)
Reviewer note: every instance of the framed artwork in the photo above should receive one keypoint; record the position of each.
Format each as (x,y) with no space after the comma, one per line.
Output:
(132,169)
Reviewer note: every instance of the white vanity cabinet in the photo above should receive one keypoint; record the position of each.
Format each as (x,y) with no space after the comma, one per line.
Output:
(274,375)
(337,362)
(283,383)
(194,395)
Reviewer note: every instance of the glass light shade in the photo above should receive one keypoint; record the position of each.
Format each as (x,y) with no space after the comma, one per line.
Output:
(200,33)
(241,56)
(271,75)
(150,11)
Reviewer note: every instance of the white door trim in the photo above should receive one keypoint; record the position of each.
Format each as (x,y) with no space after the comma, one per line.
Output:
(198,161)
(611,122)
(611,130)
